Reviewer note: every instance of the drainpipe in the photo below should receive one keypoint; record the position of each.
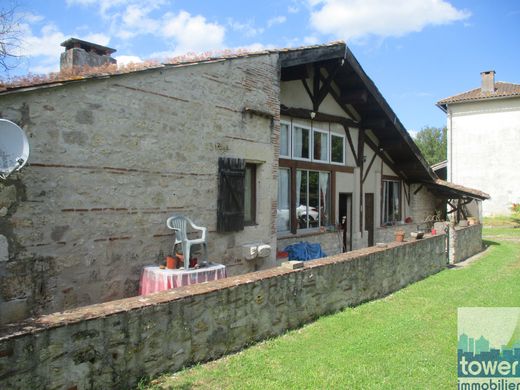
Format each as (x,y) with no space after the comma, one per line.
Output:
(450,156)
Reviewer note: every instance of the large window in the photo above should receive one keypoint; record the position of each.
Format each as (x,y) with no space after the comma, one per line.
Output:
(309,158)
(312,199)
(391,212)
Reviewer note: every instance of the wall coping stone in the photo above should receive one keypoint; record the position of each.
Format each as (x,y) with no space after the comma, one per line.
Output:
(100,310)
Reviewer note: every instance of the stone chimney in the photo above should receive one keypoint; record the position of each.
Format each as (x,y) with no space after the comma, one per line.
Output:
(80,53)
(488,81)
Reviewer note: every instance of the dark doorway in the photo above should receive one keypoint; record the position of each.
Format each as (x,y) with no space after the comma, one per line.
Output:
(369,217)
(345,219)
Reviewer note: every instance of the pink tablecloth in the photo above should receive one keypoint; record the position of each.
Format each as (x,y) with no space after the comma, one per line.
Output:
(154,279)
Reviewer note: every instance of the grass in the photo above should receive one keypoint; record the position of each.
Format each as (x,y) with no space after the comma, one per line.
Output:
(503,221)
(406,340)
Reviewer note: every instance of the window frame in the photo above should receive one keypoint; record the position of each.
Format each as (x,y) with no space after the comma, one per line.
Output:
(308,206)
(391,179)
(327,133)
(289,139)
(293,132)
(289,189)
(344,154)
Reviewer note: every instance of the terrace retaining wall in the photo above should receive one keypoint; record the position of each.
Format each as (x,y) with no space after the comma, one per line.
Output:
(464,242)
(112,345)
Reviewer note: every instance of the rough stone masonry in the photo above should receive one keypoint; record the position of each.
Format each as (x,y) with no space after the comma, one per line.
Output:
(111,159)
(113,345)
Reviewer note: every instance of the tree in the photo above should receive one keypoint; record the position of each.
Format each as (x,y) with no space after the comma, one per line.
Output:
(432,142)
(10,31)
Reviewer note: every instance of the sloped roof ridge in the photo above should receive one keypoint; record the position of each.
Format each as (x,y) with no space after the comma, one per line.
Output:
(502,90)
(34,81)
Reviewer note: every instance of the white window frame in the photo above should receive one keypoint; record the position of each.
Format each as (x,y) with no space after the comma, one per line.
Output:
(400,194)
(344,149)
(327,158)
(289,139)
(293,132)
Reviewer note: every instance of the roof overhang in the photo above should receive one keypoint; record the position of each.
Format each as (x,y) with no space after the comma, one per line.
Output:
(359,96)
(449,190)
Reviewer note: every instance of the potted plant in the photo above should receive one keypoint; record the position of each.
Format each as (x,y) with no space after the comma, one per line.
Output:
(399,235)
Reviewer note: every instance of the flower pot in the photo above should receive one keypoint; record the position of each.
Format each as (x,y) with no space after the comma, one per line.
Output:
(399,237)
(170,262)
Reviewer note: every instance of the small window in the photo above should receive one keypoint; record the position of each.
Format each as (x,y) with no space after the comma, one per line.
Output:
(301,143)
(285,140)
(320,146)
(337,149)
(250,195)
(391,212)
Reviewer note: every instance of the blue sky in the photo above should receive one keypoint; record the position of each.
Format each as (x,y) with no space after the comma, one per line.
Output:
(416,51)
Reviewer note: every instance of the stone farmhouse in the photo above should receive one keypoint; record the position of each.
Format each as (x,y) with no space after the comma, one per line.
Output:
(272,147)
(483,141)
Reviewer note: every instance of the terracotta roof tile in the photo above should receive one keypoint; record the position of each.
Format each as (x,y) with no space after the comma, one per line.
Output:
(459,188)
(58,78)
(502,90)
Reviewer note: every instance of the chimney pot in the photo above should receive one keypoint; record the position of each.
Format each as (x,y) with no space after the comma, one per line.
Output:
(488,81)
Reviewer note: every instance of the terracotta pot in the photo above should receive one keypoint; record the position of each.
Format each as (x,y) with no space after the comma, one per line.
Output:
(170,262)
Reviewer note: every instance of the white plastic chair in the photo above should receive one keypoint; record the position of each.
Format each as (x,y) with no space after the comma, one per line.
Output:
(179,224)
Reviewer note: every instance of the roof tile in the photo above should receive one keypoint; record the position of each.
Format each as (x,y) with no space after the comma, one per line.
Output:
(502,90)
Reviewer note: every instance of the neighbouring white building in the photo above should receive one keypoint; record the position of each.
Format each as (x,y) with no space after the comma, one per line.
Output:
(484,141)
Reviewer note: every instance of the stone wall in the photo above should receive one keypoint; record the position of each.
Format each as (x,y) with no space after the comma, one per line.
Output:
(464,242)
(111,159)
(112,345)
(387,233)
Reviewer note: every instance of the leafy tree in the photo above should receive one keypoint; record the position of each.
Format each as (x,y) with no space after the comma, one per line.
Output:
(432,142)
(10,32)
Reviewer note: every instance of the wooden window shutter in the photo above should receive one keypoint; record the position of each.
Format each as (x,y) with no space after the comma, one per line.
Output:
(230,206)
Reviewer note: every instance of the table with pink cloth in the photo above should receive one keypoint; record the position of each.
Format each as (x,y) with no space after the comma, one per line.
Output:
(154,279)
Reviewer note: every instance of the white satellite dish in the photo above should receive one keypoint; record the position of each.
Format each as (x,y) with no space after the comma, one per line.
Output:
(14,148)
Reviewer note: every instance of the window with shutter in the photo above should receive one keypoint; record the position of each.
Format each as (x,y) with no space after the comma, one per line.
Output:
(230,206)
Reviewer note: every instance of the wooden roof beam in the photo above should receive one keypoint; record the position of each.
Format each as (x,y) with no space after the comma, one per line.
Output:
(357,96)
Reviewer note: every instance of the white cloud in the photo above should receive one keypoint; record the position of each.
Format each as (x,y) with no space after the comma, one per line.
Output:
(125,60)
(45,43)
(41,48)
(247,29)
(356,19)
(192,33)
(99,38)
(276,20)
(311,40)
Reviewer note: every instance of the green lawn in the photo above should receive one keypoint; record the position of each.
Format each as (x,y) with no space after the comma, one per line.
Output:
(404,341)
(503,221)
